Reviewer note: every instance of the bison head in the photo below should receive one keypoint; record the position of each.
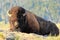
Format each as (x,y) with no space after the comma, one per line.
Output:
(16,17)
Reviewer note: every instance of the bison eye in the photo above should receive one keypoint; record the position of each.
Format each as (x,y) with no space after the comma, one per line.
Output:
(19,16)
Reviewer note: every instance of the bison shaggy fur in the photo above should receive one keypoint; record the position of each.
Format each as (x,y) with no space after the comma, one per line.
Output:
(25,21)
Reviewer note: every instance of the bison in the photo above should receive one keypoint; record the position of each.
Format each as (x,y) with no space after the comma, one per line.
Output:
(25,21)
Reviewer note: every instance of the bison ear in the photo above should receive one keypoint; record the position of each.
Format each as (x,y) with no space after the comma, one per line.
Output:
(21,10)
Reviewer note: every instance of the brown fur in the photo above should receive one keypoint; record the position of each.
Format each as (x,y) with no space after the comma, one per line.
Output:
(32,21)
(28,22)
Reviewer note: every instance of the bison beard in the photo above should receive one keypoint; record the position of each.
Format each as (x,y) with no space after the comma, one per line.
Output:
(30,23)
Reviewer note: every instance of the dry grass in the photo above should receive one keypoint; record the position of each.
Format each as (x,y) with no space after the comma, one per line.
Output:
(24,36)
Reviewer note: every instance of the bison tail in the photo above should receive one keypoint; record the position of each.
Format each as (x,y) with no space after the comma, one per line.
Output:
(54,30)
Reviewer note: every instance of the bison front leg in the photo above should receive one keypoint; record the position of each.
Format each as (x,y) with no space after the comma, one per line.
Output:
(12,28)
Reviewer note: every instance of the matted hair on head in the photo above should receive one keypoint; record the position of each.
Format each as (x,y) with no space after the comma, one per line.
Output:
(21,10)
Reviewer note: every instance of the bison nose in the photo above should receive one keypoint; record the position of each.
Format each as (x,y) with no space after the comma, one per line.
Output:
(16,23)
